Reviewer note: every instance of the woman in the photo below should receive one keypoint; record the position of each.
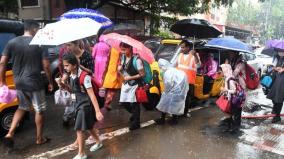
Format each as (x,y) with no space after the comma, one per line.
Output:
(131,79)
(276,93)
(173,98)
(85,103)
(230,89)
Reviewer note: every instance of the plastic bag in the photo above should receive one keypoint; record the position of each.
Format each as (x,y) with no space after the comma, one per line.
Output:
(176,87)
(62,97)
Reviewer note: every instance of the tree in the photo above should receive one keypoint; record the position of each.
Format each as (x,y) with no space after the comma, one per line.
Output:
(267,18)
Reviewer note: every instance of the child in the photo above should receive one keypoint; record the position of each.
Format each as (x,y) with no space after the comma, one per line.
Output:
(82,96)
(231,89)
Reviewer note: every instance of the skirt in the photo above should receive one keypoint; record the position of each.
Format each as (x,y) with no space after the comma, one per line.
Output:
(85,118)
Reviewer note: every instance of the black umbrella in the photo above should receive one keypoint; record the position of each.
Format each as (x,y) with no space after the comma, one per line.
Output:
(271,51)
(197,28)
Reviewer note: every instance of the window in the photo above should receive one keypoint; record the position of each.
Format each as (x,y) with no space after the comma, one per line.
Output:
(166,51)
(29,3)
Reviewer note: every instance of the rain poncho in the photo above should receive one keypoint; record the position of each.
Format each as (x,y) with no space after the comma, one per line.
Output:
(100,55)
(176,87)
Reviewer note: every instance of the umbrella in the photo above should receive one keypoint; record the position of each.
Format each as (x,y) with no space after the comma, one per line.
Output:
(197,28)
(65,31)
(124,28)
(277,44)
(229,43)
(87,13)
(139,48)
(272,47)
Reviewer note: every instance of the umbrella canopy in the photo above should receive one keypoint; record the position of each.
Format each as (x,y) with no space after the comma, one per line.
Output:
(198,28)
(229,44)
(272,47)
(139,48)
(65,31)
(277,44)
(87,13)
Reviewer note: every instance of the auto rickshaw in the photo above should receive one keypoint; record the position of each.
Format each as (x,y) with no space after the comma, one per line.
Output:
(169,50)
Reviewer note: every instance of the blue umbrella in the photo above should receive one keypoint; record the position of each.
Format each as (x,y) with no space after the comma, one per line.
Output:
(87,13)
(229,44)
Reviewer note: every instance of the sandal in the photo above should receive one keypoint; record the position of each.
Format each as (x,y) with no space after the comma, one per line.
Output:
(44,140)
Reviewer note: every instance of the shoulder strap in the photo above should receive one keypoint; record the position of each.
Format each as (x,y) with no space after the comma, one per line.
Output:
(82,77)
(228,82)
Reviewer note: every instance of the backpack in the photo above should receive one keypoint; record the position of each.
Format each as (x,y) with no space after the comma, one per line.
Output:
(239,97)
(95,86)
(252,78)
(147,69)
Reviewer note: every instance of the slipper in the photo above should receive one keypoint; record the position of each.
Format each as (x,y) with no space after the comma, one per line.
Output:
(8,142)
(44,141)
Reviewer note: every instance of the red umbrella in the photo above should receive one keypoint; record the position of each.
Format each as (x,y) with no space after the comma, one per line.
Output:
(139,48)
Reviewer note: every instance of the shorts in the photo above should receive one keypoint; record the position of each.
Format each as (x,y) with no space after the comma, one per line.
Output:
(32,100)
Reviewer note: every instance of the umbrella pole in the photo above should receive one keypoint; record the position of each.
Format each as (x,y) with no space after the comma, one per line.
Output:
(193,42)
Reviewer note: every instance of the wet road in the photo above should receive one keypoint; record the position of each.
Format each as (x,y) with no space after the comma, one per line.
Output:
(195,137)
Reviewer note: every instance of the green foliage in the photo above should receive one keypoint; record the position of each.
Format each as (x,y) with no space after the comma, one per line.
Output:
(267,18)
(163,34)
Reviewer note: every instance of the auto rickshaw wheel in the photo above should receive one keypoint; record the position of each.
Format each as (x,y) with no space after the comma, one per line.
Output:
(6,118)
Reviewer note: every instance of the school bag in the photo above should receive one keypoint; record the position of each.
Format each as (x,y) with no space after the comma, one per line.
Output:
(147,69)
(95,86)
(239,97)
(252,78)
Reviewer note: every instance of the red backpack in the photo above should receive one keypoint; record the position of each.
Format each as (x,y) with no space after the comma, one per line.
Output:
(95,85)
(252,78)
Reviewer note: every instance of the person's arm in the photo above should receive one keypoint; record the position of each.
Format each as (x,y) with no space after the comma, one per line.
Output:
(3,63)
(46,68)
(91,94)
(89,71)
(197,58)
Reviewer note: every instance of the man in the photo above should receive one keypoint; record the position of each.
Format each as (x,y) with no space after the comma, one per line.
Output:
(188,61)
(28,62)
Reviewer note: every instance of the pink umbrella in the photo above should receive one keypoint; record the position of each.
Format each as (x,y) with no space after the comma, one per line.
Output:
(139,48)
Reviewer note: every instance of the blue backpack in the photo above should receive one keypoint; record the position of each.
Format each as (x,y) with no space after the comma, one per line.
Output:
(147,69)
(266,81)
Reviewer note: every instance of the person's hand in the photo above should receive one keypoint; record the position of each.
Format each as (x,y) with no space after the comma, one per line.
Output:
(126,78)
(281,70)
(50,87)
(99,116)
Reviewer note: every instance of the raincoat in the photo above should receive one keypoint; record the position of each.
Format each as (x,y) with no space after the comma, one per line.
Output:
(112,80)
(100,55)
(175,89)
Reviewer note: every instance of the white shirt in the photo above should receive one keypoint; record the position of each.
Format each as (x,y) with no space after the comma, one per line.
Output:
(87,80)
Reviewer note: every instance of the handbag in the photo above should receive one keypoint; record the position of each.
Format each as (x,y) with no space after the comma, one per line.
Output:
(224,104)
(141,95)
(62,97)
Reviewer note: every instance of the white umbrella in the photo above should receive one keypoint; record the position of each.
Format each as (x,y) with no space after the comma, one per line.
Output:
(65,31)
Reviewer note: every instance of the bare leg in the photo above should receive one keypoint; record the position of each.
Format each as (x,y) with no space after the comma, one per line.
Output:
(19,114)
(39,127)
(81,142)
(94,133)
